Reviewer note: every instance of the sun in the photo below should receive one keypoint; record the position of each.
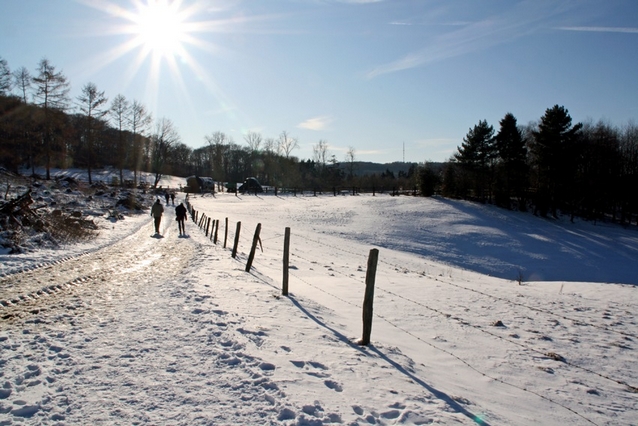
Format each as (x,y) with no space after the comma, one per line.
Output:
(160,27)
(165,38)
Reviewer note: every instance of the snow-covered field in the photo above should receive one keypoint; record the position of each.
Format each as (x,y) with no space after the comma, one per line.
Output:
(482,316)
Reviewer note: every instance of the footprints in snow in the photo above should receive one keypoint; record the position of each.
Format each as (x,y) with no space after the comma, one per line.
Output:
(317,369)
(397,413)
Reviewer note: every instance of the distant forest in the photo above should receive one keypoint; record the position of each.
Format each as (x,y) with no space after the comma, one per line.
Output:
(549,167)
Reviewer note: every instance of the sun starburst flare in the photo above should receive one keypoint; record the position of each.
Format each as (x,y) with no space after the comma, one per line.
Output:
(161,34)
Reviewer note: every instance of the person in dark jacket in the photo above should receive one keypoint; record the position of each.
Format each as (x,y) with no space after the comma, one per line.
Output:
(156,212)
(180,216)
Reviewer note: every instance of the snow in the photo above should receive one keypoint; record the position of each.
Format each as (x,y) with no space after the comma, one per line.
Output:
(132,329)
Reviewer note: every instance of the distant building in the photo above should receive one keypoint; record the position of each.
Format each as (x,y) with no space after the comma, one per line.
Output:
(199,184)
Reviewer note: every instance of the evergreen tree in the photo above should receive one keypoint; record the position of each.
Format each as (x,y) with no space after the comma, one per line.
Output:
(555,158)
(476,156)
(450,186)
(512,175)
(598,173)
(629,172)
(428,180)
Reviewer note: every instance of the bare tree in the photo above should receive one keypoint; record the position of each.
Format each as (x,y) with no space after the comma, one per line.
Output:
(253,140)
(320,154)
(350,159)
(92,106)
(5,77)
(218,145)
(270,146)
(179,161)
(119,111)
(22,80)
(286,143)
(52,94)
(163,140)
(139,121)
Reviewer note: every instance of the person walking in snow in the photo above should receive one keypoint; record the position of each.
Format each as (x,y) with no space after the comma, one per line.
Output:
(156,212)
(180,216)
(172,198)
(166,196)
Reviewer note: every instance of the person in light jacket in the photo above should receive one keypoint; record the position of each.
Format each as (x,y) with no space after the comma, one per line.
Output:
(156,212)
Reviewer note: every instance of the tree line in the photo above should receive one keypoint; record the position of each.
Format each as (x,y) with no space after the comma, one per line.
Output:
(553,166)
(550,166)
(40,125)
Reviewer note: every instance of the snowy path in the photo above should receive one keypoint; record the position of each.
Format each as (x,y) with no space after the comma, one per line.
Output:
(129,341)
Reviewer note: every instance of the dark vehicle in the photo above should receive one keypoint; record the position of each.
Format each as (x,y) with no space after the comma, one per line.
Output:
(250,185)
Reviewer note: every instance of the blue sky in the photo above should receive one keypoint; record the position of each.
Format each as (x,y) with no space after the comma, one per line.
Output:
(377,76)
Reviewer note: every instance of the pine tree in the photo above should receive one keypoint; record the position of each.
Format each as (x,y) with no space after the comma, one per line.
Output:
(512,173)
(476,156)
(554,150)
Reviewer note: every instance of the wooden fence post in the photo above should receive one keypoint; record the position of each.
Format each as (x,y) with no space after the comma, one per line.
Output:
(226,233)
(369,297)
(216,229)
(212,229)
(234,254)
(284,286)
(207,226)
(251,257)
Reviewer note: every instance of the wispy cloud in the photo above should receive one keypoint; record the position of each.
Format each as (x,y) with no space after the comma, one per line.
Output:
(316,123)
(522,19)
(601,29)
